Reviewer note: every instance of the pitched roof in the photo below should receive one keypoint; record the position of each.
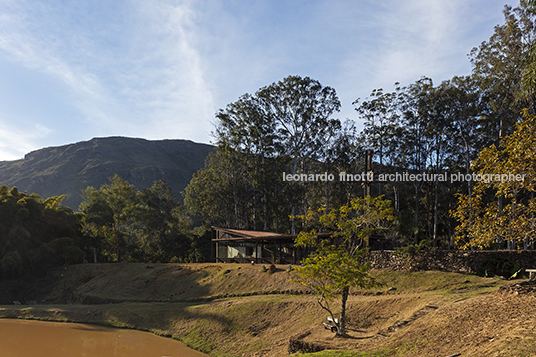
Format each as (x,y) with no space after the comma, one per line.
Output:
(242,234)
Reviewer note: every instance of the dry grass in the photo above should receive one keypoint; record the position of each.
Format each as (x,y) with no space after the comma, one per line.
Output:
(420,313)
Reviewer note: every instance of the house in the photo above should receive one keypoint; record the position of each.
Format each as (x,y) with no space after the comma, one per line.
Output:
(245,246)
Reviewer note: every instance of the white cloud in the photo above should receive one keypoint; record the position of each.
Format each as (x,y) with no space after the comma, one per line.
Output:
(149,84)
(16,142)
(161,69)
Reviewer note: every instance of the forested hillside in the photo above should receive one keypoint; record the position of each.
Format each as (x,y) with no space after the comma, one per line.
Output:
(282,150)
(71,168)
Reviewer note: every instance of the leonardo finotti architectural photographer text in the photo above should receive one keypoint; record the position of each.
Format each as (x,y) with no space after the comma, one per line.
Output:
(403,177)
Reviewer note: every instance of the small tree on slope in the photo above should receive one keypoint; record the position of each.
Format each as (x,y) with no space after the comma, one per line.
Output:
(336,263)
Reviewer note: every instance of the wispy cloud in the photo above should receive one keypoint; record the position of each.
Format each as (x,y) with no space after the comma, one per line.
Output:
(147,82)
(16,142)
(161,69)
(426,38)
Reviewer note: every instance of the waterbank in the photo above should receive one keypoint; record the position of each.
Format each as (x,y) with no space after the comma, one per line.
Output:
(59,339)
(404,316)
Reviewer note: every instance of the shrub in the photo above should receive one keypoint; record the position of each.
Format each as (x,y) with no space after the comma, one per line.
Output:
(11,265)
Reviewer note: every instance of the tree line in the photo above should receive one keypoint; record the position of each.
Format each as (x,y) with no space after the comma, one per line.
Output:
(424,127)
(115,223)
(467,124)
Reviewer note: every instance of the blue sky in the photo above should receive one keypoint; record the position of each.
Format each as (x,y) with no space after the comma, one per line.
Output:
(78,69)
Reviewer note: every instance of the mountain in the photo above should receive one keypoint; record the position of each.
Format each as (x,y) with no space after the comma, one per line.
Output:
(70,168)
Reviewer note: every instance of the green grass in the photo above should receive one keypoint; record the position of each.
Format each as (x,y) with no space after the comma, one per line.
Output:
(435,281)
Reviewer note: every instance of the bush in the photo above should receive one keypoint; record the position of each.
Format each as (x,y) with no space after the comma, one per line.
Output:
(66,251)
(11,265)
(503,266)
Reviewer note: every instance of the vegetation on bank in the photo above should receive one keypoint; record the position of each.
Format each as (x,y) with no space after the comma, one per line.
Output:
(36,234)
(116,223)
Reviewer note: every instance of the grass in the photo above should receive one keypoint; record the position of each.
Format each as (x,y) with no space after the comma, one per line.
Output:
(262,323)
(435,281)
(335,353)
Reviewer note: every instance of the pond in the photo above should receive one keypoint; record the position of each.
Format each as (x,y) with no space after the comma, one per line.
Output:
(22,338)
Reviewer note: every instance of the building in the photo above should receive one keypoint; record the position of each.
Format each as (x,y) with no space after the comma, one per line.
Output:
(245,246)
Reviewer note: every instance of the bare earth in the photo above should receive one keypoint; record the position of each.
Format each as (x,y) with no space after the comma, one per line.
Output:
(239,310)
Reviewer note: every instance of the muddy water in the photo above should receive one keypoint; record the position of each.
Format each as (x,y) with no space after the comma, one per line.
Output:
(19,338)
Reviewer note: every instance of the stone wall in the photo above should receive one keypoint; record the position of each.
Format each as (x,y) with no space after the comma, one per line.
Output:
(482,262)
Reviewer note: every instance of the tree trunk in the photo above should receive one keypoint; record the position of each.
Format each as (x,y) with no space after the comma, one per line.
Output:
(435,212)
(416,218)
(341,330)
(293,209)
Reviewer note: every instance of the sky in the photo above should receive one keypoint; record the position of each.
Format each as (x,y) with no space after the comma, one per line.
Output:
(71,70)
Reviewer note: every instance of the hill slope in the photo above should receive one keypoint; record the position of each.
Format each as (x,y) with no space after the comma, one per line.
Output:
(70,168)
(239,310)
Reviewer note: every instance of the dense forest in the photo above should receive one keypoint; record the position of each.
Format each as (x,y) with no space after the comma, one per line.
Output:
(281,150)
(433,131)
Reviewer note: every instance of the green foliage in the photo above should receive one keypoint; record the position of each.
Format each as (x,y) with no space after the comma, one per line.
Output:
(122,223)
(11,265)
(28,226)
(412,250)
(502,266)
(501,65)
(336,263)
(482,221)
(66,250)
(283,127)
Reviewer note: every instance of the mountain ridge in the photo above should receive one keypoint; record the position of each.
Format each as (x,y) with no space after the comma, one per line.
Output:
(67,169)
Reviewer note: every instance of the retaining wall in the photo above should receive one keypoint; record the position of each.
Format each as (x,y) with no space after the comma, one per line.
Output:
(482,262)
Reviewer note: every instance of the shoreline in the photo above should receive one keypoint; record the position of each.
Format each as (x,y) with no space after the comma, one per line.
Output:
(82,314)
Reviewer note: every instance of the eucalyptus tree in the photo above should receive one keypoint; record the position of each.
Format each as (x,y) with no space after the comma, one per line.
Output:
(245,127)
(343,155)
(499,65)
(218,193)
(164,229)
(109,216)
(381,114)
(415,148)
(286,122)
(529,70)
(301,109)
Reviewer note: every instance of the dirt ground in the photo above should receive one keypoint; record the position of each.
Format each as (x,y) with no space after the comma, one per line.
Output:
(493,324)
(245,311)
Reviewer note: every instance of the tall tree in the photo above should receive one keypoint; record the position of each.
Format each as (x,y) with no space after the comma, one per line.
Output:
(499,64)
(110,214)
(507,171)
(287,120)
(381,113)
(415,149)
(164,229)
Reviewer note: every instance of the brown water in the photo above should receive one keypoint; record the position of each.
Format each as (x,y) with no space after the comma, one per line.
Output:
(20,338)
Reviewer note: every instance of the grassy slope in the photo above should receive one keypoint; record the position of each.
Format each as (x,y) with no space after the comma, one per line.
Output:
(426,314)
